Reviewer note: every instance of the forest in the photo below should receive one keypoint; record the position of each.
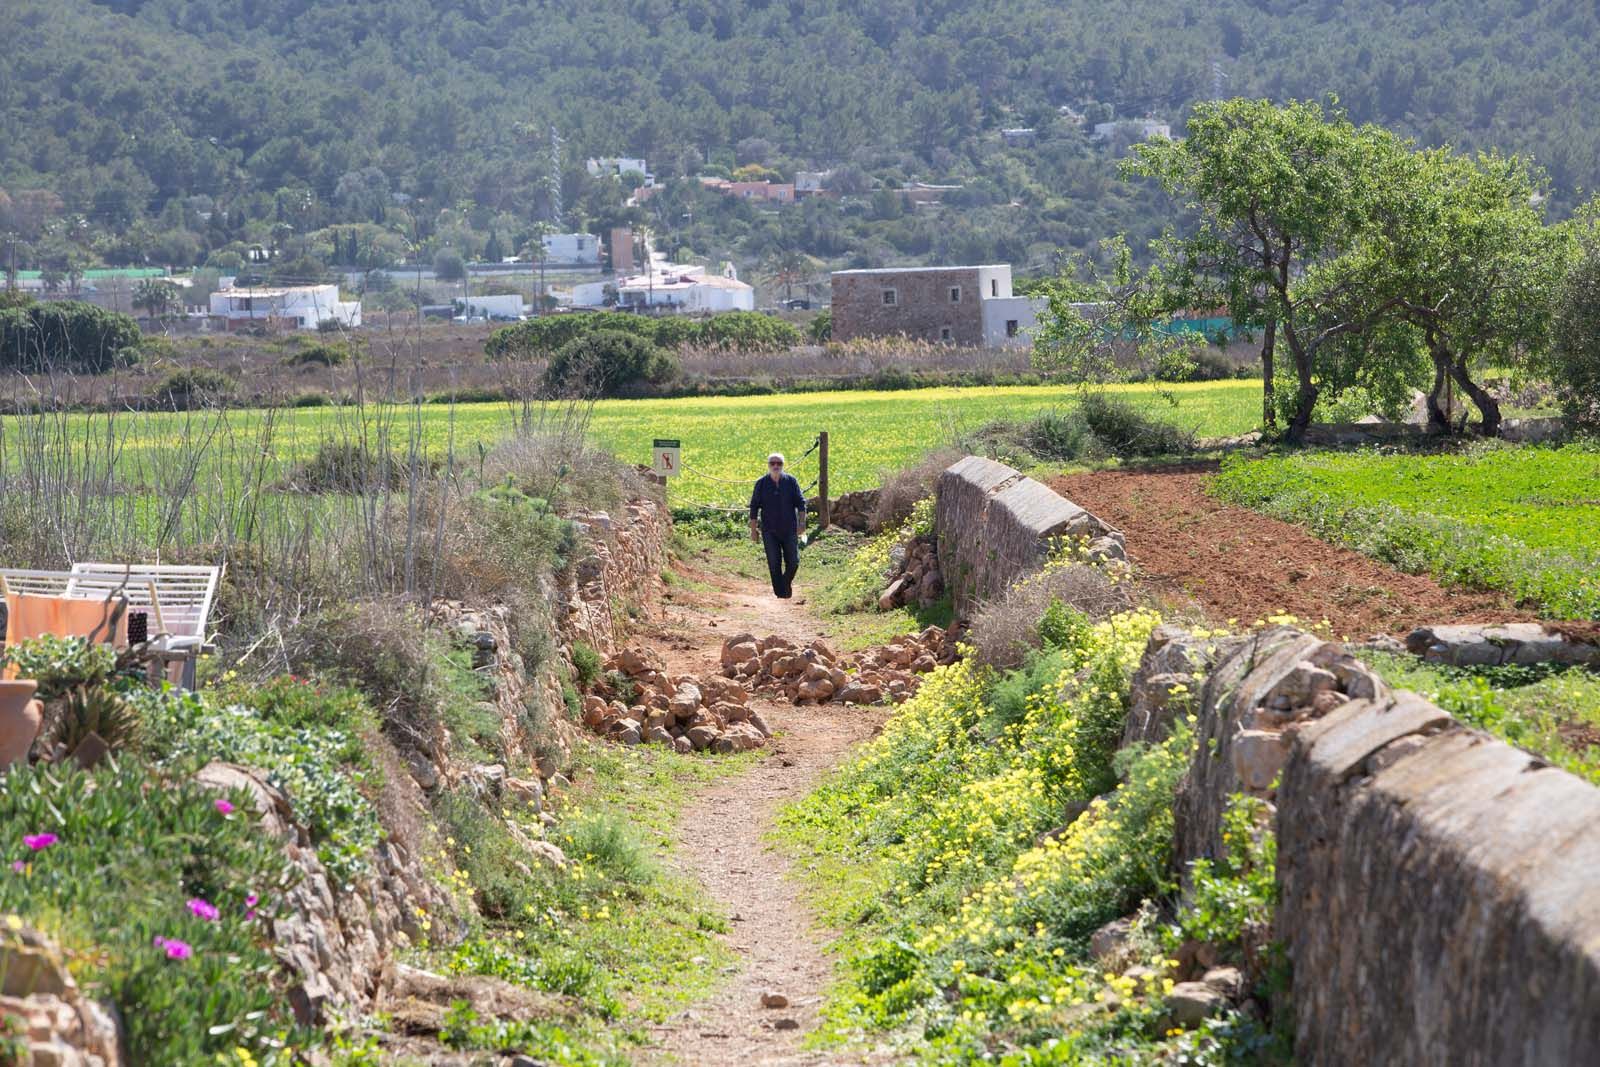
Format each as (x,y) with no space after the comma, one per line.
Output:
(166,131)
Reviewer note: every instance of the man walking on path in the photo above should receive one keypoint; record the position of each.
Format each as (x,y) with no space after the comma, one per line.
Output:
(777,514)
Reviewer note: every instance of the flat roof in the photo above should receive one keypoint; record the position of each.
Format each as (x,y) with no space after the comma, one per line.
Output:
(923,270)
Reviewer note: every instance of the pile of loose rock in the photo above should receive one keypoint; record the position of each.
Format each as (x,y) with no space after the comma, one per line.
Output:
(815,674)
(916,578)
(688,713)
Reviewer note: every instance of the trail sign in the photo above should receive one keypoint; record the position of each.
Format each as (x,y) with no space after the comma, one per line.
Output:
(665,456)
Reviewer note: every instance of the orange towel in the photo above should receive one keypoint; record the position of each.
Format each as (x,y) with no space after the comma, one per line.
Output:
(33,616)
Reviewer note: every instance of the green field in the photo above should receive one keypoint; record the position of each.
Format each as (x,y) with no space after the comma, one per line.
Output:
(1524,520)
(725,439)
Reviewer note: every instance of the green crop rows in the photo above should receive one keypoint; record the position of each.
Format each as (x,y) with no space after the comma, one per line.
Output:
(1520,520)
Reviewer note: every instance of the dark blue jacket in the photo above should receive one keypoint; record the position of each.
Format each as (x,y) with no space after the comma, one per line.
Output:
(779,504)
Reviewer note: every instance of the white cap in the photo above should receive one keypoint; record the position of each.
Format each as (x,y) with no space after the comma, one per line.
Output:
(777,456)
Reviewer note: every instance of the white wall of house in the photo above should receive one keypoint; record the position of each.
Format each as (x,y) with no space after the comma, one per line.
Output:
(571,248)
(307,305)
(1011,321)
(507,306)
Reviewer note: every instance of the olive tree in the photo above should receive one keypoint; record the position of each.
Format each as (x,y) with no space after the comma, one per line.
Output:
(1275,191)
(1457,251)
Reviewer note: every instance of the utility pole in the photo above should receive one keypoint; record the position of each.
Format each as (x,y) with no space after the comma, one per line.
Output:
(11,275)
(555,176)
(824,508)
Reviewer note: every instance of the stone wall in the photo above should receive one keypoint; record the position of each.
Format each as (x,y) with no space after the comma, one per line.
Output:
(618,577)
(922,307)
(1439,894)
(1439,889)
(994,525)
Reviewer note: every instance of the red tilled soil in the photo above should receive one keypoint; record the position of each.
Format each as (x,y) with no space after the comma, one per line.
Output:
(1239,564)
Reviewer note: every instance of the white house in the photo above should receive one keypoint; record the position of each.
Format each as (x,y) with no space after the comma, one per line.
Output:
(1138,129)
(672,286)
(571,248)
(501,308)
(618,166)
(300,306)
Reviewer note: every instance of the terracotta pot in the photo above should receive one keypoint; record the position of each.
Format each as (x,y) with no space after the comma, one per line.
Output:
(20,717)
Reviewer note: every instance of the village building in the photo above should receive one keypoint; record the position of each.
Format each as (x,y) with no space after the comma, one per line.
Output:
(949,305)
(571,249)
(670,287)
(1136,129)
(764,191)
(617,166)
(276,307)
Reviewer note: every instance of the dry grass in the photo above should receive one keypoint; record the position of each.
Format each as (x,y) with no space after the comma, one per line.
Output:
(1005,630)
(900,490)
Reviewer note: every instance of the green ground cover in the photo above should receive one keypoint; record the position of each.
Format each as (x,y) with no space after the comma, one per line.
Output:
(1494,516)
(1553,714)
(725,439)
(972,848)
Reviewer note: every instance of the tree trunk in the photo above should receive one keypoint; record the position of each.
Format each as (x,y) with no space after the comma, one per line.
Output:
(1487,404)
(1438,418)
(1269,410)
(1306,394)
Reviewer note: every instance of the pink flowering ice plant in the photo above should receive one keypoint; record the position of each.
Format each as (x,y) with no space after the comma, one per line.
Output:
(223,806)
(175,949)
(203,909)
(250,903)
(39,842)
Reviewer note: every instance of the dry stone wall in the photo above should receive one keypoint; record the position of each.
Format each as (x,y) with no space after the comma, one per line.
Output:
(619,574)
(1439,894)
(994,525)
(1439,889)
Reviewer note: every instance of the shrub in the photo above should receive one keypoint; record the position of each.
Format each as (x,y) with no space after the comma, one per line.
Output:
(604,363)
(386,650)
(1028,616)
(342,466)
(296,703)
(324,355)
(899,491)
(820,328)
(746,331)
(1574,359)
(67,335)
(196,387)
(1124,430)
(133,847)
(185,731)
(60,664)
(585,664)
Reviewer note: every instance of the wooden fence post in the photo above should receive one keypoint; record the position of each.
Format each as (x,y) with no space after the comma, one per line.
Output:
(824,510)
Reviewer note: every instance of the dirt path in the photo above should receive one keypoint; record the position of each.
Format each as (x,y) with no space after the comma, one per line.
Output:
(722,844)
(1240,564)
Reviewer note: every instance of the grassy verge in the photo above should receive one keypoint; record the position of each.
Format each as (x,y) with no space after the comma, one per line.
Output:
(1555,714)
(972,849)
(615,929)
(1494,516)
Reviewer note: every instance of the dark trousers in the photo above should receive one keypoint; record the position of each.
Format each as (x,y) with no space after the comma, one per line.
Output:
(783,559)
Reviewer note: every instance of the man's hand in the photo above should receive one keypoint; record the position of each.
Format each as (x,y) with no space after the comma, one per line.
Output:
(755,532)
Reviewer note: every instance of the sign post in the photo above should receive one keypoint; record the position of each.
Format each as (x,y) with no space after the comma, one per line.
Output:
(665,457)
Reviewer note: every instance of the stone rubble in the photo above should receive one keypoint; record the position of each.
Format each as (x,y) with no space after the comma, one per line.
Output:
(691,714)
(916,578)
(816,674)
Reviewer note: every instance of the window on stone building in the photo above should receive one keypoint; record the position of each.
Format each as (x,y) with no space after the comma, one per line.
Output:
(1011,327)
(955,294)
(890,298)
(944,333)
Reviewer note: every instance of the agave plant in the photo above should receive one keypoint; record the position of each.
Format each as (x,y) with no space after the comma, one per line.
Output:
(85,710)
